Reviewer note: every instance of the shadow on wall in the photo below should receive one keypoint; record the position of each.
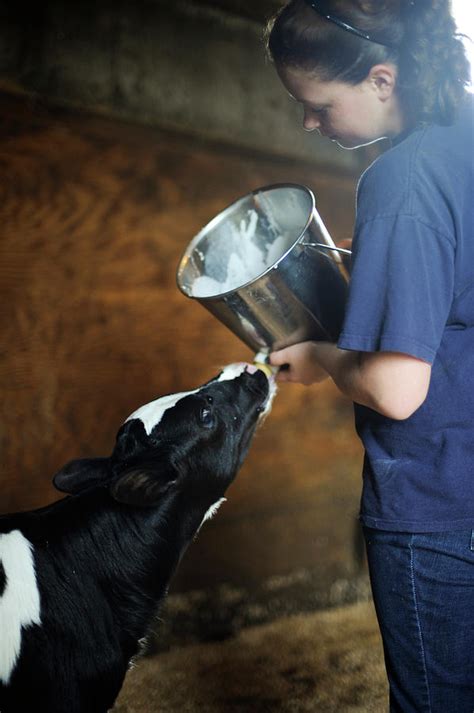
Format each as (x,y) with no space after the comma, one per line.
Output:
(144,61)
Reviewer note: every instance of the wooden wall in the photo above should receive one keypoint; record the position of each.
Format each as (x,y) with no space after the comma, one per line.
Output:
(94,216)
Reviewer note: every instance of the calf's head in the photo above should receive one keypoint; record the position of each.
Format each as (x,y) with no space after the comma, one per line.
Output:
(187,445)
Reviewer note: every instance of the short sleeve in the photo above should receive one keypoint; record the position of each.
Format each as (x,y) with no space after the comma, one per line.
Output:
(401,287)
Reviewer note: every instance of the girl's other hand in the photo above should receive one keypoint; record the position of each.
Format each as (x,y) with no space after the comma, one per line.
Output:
(301,365)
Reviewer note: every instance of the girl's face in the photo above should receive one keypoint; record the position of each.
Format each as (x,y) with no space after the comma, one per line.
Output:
(350,115)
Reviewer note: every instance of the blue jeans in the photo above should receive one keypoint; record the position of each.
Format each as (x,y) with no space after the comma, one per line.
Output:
(423,588)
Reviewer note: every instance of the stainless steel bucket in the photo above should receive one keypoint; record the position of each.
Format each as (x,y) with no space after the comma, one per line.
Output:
(268,269)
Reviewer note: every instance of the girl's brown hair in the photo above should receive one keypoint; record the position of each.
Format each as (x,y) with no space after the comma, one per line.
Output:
(420,36)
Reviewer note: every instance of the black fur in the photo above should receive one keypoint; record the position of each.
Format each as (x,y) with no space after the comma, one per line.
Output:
(104,556)
(3,580)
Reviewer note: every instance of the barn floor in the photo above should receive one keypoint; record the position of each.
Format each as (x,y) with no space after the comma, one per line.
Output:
(328,662)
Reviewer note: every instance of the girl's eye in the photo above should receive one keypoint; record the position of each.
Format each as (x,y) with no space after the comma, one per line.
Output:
(318,112)
(206,417)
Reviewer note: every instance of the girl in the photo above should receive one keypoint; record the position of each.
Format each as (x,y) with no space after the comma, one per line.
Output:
(365,70)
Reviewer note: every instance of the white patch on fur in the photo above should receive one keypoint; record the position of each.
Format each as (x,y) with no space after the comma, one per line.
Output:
(272,391)
(210,514)
(142,647)
(212,510)
(232,371)
(152,413)
(20,602)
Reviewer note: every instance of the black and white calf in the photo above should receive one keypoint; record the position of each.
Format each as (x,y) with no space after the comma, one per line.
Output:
(81,580)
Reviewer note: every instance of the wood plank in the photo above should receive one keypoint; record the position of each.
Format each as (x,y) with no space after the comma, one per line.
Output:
(94,217)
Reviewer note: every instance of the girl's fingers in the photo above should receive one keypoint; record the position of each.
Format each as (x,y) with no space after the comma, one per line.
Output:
(283,376)
(279,358)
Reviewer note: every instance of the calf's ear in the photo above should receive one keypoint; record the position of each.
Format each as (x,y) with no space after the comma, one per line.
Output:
(131,439)
(143,485)
(78,475)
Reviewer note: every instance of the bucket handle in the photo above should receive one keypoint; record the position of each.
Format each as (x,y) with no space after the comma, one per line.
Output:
(327,247)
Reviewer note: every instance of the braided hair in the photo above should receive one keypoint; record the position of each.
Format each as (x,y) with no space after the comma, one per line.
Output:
(418,36)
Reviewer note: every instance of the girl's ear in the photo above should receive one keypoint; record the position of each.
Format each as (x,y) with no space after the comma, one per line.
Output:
(383,78)
(78,475)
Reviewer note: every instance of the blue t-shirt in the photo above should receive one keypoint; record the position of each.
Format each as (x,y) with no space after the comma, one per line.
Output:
(412,291)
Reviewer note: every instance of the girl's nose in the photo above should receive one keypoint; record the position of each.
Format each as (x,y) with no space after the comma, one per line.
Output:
(310,121)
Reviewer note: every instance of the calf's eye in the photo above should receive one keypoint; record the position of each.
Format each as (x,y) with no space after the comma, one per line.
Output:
(206,417)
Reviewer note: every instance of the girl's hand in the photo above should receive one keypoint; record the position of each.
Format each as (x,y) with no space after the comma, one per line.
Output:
(303,367)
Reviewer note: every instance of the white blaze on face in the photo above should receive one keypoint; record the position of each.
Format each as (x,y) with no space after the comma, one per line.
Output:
(152,413)
(20,601)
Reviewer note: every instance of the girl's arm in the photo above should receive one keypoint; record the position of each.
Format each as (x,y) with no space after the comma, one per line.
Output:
(391,383)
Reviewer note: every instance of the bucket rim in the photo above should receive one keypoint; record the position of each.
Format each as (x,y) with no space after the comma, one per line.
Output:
(219,219)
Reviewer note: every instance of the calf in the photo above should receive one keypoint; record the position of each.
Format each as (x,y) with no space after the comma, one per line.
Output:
(81,580)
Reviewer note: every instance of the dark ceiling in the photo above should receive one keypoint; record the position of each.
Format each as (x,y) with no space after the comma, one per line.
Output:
(259,10)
